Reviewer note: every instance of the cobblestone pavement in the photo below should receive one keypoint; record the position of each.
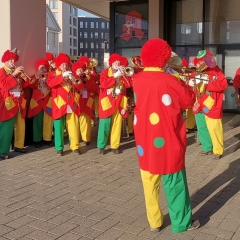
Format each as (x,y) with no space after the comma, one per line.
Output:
(91,196)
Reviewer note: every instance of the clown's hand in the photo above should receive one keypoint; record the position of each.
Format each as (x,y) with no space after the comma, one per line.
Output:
(67,74)
(205,78)
(117,74)
(191,82)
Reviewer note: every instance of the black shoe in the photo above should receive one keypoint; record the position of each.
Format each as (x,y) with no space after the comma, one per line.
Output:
(60,152)
(131,134)
(77,152)
(37,144)
(101,151)
(3,156)
(86,143)
(20,150)
(115,151)
(156,229)
(48,143)
(195,225)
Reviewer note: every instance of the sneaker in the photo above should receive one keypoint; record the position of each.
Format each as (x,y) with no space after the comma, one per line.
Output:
(216,156)
(3,156)
(115,151)
(77,152)
(156,229)
(195,225)
(87,143)
(203,153)
(20,150)
(48,143)
(131,134)
(101,151)
(60,152)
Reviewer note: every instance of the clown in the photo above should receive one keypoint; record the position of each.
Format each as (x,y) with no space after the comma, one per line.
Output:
(161,150)
(112,104)
(88,93)
(41,105)
(12,105)
(51,61)
(65,104)
(208,108)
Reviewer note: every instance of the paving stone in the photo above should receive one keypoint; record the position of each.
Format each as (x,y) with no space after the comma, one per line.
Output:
(39,235)
(18,233)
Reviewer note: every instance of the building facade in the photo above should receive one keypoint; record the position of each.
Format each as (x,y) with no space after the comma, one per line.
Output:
(67,18)
(52,32)
(93,39)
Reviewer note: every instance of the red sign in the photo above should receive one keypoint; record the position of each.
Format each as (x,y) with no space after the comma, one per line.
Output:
(133,24)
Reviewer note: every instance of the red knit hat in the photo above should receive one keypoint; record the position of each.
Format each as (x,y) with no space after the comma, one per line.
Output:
(155,53)
(77,65)
(114,57)
(85,60)
(197,60)
(62,58)
(9,55)
(184,62)
(124,61)
(49,56)
(42,62)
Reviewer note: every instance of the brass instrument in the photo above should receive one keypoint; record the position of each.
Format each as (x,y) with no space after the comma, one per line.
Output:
(93,63)
(136,62)
(72,79)
(22,74)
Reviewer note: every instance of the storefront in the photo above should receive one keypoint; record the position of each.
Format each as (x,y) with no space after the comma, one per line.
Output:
(188,26)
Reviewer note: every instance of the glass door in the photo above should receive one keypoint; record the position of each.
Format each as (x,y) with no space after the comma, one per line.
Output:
(230,64)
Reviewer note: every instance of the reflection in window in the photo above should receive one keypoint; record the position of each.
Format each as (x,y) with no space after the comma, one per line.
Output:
(185,29)
(81,24)
(96,34)
(92,24)
(53,4)
(85,34)
(81,45)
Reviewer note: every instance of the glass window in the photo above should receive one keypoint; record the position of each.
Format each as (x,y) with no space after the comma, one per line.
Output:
(80,34)
(85,54)
(86,24)
(106,35)
(185,28)
(96,45)
(92,45)
(70,9)
(129,32)
(222,22)
(53,4)
(75,42)
(81,24)
(70,51)
(70,42)
(53,39)
(96,34)
(70,31)
(55,14)
(81,45)
(74,11)
(103,45)
(86,45)
(91,54)
(102,35)
(107,25)
(70,20)
(96,24)
(75,52)
(85,35)
(96,55)
(74,32)
(92,24)
(102,25)
(74,22)
(91,34)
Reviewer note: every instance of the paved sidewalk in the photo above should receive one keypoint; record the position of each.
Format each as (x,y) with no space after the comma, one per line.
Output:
(91,196)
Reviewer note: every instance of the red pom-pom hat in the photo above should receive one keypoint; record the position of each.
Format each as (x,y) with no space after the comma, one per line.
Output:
(49,56)
(9,55)
(124,61)
(62,58)
(42,62)
(113,58)
(77,65)
(155,53)
(184,62)
(85,60)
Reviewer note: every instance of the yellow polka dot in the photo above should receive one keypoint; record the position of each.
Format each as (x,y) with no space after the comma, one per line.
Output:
(154,119)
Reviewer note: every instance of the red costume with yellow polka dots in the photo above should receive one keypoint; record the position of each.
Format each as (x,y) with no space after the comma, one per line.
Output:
(160,135)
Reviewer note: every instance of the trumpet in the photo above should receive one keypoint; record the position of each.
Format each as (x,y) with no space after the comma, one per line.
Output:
(72,79)
(22,74)
(93,63)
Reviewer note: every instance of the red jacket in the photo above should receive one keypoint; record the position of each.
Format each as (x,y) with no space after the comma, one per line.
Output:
(9,103)
(90,89)
(159,128)
(236,83)
(41,98)
(63,95)
(212,100)
(107,102)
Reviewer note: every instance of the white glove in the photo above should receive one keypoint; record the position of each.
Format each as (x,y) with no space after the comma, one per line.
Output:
(67,74)
(205,79)
(198,79)
(117,74)
(191,82)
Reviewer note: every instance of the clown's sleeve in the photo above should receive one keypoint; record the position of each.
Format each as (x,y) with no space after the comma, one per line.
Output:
(53,81)
(105,81)
(7,82)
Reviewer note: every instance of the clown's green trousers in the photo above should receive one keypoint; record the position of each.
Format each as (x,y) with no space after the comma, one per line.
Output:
(178,200)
